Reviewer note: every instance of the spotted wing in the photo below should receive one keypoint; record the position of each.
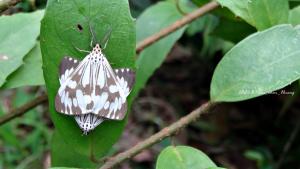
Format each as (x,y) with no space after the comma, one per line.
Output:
(67,67)
(126,78)
(92,88)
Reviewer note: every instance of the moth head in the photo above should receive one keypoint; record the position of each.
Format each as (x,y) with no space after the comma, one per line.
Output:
(97,49)
(96,55)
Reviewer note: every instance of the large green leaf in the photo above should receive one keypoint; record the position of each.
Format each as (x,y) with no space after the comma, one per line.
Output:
(151,21)
(294,17)
(66,25)
(261,63)
(239,8)
(183,157)
(259,13)
(268,13)
(30,73)
(63,155)
(18,36)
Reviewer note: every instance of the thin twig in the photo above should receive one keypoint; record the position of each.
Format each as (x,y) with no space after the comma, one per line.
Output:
(288,145)
(166,132)
(5,4)
(176,25)
(23,109)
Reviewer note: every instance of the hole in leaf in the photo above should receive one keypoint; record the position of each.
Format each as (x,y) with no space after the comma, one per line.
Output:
(80,28)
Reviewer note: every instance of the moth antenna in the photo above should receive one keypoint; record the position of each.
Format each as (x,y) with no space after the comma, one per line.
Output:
(106,38)
(93,33)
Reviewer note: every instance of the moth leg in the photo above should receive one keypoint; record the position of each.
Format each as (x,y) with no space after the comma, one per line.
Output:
(80,50)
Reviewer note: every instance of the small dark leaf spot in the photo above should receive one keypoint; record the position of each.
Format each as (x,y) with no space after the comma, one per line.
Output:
(80,28)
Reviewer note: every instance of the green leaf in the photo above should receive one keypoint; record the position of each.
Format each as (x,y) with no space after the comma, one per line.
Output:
(151,21)
(259,13)
(185,6)
(263,62)
(267,13)
(30,73)
(197,26)
(183,157)
(262,156)
(64,155)
(294,3)
(222,12)
(294,17)
(66,25)
(233,30)
(18,36)
(239,8)
(212,44)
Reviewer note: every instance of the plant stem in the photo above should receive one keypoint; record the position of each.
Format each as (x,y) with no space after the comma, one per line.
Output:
(166,132)
(23,109)
(176,25)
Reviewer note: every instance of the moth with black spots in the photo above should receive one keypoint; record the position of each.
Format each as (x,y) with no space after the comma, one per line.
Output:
(91,91)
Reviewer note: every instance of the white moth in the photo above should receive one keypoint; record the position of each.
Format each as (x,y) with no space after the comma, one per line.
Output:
(92,91)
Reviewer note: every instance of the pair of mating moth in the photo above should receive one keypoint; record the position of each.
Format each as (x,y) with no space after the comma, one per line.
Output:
(91,91)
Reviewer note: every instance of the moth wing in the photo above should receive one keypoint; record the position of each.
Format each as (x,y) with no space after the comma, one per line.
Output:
(126,79)
(67,67)
(92,88)
(115,106)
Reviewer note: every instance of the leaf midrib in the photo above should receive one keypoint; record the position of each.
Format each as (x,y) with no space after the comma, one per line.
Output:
(180,159)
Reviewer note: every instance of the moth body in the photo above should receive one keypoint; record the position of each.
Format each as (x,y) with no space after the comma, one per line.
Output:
(92,91)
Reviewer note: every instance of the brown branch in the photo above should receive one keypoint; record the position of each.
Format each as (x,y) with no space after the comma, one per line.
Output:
(23,109)
(166,132)
(176,25)
(5,4)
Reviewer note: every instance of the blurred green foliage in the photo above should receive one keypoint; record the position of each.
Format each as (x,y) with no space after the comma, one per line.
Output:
(23,141)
